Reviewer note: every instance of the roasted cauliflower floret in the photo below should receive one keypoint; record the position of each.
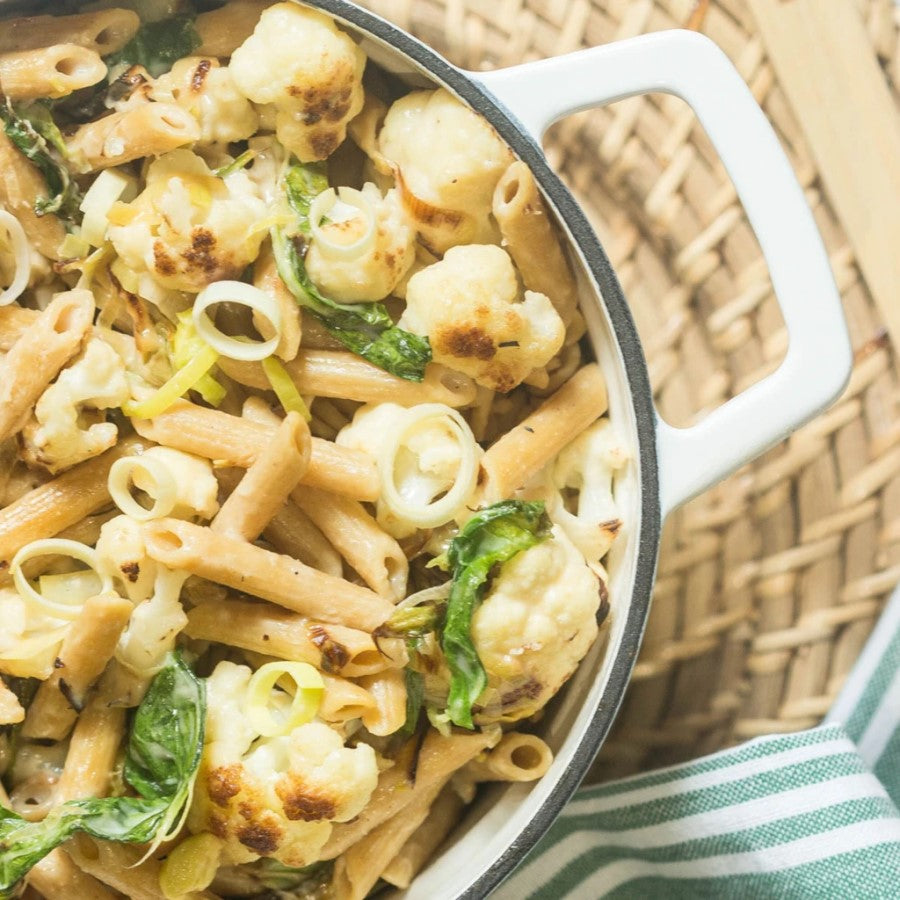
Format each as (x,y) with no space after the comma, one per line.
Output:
(196,486)
(363,248)
(69,425)
(278,796)
(123,557)
(207,91)
(189,228)
(299,61)
(467,304)
(450,160)
(535,625)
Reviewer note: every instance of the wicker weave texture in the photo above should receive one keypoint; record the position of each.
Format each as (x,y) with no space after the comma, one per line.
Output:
(770,583)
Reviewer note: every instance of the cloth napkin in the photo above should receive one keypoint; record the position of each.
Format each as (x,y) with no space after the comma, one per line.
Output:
(812,814)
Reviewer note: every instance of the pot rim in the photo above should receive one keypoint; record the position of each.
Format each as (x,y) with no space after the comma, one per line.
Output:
(636,376)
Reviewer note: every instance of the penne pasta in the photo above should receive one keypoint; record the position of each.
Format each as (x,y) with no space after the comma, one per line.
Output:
(292,532)
(54,338)
(518,757)
(85,651)
(531,239)
(223,30)
(271,576)
(388,691)
(345,700)
(14,321)
(59,504)
(266,278)
(232,441)
(522,452)
(263,490)
(149,129)
(52,72)
(336,373)
(267,629)
(104,31)
(56,877)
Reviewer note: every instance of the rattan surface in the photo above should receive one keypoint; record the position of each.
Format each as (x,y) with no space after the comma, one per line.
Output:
(770,583)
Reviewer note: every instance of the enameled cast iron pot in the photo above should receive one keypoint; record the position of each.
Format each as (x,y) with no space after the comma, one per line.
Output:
(669,465)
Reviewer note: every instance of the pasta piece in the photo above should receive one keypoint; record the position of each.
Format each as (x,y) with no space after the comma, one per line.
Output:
(438,759)
(233,441)
(93,748)
(518,757)
(104,31)
(56,877)
(532,241)
(223,30)
(292,532)
(20,184)
(266,278)
(11,711)
(52,72)
(388,690)
(344,700)
(264,628)
(510,462)
(280,579)
(54,338)
(336,373)
(263,490)
(424,841)
(370,551)
(149,129)
(86,650)
(61,503)
(14,321)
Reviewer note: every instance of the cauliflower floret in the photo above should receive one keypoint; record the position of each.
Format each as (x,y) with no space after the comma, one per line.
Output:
(279,796)
(196,487)
(467,305)
(123,557)
(189,228)
(450,160)
(534,627)
(68,425)
(298,60)
(207,91)
(373,271)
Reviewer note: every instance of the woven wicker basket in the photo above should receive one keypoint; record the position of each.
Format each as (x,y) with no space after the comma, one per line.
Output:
(769,584)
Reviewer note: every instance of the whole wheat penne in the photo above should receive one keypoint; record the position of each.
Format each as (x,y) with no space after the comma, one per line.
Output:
(86,649)
(223,30)
(56,877)
(443,815)
(268,629)
(531,239)
(523,451)
(53,338)
(263,490)
(518,757)
(20,185)
(52,72)
(47,510)
(337,373)
(92,753)
(233,441)
(439,758)
(358,869)
(146,130)
(105,31)
(388,691)
(354,533)
(271,576)
(345,700)
(14,321)
(291,531)
(266,278)
(11,712)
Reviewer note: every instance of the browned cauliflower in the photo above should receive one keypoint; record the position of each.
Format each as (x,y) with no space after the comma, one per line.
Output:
(275,796)
(468,305)
(298,60)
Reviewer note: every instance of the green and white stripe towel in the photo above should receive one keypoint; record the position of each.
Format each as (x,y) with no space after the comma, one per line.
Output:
(813,814)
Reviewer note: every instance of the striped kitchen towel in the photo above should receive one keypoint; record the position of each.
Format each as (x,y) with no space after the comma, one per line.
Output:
(813,814)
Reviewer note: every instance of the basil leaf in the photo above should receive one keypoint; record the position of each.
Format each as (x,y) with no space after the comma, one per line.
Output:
(364,328)
(162,757)
(32,131)
(491,537)
(157,46)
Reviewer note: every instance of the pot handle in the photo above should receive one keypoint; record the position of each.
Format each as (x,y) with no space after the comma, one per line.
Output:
(818,359)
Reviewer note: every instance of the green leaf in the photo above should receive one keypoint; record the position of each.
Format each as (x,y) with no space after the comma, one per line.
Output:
(364,328)
(276,876)
(162,757)
(157,46)
(32,131)
(491,537)
(415,697)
